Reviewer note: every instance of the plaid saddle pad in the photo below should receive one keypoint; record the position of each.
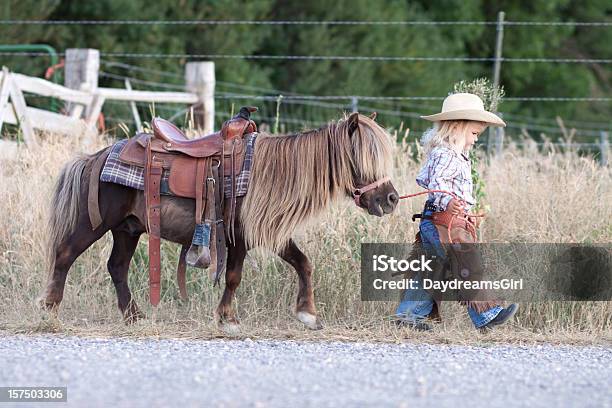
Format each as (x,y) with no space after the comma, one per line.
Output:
(117,172)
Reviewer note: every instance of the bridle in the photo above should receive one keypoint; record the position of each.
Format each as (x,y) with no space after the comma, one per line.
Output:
(358,192)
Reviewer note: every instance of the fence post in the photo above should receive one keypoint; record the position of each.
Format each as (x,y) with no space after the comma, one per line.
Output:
(81,73)
(4,94)
(499,42)
(604,147)
(354,104)
(20,108)
(135,114)
(200,79)
(499,140)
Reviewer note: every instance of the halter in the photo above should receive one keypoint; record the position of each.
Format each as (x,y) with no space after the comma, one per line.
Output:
(357,193)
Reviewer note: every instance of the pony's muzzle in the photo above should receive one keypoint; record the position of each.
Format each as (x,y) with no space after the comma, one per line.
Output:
(392,199)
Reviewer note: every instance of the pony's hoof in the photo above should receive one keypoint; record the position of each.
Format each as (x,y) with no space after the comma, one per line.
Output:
(133,316)
(311,321)
(48,305)
(230,328)
(227,323)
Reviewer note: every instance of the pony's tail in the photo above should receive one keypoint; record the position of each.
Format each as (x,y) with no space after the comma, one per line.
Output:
(64,210)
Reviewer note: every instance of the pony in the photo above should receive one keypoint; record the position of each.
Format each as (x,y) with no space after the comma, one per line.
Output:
(294,178)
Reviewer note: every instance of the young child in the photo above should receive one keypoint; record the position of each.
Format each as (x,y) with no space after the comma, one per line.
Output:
(447,144)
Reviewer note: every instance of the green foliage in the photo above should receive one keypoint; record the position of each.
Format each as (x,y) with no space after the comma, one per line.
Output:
(492,97)
(479,192)
(33,34)
(277,118)
(381,78)
(537,79)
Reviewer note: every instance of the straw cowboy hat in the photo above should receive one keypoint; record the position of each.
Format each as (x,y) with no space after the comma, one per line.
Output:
(465,106)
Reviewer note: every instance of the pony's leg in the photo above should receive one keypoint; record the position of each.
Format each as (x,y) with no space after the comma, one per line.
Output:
(124,245)
(63,258)
(115,203)
(225,316)
(305,310)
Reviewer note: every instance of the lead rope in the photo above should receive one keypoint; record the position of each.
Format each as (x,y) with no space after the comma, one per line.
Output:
(469,223)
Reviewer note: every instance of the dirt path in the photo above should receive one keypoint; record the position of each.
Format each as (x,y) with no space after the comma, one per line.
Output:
(122,373)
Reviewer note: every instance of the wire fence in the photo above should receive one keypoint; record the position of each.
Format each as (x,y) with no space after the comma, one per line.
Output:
(309,23)
(136,55)
(291,112)
(299,111)
(295,111)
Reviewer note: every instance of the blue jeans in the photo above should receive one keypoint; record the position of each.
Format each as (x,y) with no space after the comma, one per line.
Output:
(417,304)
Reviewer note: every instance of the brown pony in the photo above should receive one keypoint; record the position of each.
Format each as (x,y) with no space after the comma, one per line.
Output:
(293,179)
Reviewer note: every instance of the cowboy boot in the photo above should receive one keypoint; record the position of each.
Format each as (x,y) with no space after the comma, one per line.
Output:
(503,316)
(198,254)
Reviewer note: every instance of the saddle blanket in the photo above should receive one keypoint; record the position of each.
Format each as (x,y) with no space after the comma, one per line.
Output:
(117,172)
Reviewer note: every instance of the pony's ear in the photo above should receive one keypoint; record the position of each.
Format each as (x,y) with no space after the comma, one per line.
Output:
(373,115)
(353,123)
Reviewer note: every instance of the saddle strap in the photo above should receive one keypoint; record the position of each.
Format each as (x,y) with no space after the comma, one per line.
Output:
(153,175)
(219,236)
(93,205)
(211,217)
(180,272)
(199,188)
(222,176)
(232,214)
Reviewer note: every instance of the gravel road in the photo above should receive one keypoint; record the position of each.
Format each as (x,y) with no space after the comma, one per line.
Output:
(155,373)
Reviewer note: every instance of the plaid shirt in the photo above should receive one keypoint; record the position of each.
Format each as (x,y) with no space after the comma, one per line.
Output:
(447,170)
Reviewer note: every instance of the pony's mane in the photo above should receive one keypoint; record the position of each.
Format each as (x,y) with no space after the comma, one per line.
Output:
(294,177)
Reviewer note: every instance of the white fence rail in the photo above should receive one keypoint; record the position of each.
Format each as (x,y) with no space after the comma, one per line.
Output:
(85,104)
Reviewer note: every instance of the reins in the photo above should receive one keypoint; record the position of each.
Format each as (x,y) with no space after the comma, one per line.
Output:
(471,227)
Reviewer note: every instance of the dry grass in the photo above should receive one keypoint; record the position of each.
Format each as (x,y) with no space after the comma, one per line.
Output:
(534,197)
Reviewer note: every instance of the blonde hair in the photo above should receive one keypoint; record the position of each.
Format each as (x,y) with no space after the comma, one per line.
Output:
(445,133)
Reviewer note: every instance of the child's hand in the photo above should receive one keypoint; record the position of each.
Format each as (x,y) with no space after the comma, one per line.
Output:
(455,207)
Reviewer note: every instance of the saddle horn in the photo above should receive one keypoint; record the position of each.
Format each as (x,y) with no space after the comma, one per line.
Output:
(245,112)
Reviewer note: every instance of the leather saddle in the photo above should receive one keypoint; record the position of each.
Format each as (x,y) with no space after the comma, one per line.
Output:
(197,169)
